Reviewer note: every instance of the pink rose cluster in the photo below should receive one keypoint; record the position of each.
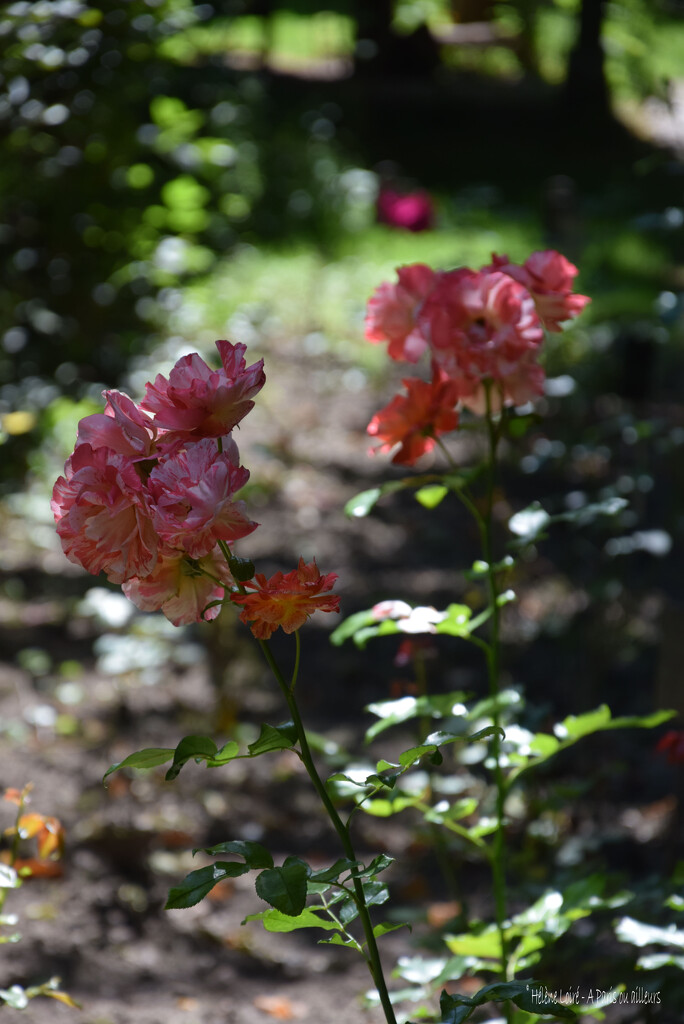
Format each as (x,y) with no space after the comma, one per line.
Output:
(148,494)
(483,331)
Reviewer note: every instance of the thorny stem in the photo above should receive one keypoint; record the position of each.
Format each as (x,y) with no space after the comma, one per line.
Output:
(374,962)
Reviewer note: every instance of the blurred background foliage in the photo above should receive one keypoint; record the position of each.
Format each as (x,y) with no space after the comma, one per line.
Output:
(155,153)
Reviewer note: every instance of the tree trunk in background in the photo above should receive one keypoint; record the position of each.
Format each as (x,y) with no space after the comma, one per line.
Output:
(586,90)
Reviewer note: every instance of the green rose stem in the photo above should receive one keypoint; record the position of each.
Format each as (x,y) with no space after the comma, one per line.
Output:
(492,654)
(494,670)
(373,957)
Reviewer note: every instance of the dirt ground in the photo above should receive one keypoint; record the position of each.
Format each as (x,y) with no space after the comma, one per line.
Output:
(85,680)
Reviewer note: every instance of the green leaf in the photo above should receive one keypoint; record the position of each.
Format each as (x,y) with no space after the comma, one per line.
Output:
(361,504)
(528,996)
(285,887)
(352,625)
(486,944)
(395,712)
(431,495)
(337,940)
(151,757)
(280,737)
(332,873)
(276,921)
(640,934)
(200,748)
(255,855)
(456,622)
(531,523)
(378,864)
(390,926)
(197,884)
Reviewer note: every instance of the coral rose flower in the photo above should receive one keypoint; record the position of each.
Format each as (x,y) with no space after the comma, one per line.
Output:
(180,588)
(191,492)
(102,515)
(122,427)
(415,420)
(286,600)
(197,402)
(549,278)
(392,312)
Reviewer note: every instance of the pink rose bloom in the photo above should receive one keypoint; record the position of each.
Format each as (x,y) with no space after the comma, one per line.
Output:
(121,427)
(392,312)
(412,210)
(197,401)
(549,279)
(414,421)
(102,515)
(481,326)
(524,384)
(191,493)
(180,589)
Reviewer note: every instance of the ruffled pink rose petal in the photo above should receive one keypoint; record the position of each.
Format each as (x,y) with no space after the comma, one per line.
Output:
(197,402)
(549,278)
(122,426)
(392,312)
(192,493)
(102,515)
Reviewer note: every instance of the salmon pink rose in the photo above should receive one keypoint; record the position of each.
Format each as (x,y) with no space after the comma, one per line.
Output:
(197,402)
(392,313)
(192,493)
(549,278)
(102,514)
(181,588)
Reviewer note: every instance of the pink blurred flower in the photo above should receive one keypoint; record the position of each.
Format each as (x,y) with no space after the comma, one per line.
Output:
(286,600)
(122,427)
(483,326)
(197,402)
(392,312)
(191,492)
(102,514)
(180,588)
(411,210)
(548,277)
(413,421)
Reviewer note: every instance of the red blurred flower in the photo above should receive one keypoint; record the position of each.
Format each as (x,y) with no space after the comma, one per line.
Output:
(392,312)
(672,744)
(197,402)
(413,421)
(411,210)
(286,600)
(549,278)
